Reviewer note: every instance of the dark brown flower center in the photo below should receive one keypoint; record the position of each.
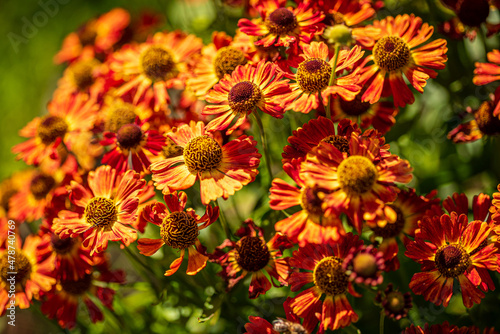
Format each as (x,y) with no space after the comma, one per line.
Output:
(244,97)
(395,301)
(281,21)
(391,230)
(357,175)
(202,154)
(78,287)
(41,185)
(227,59)
(313,75)
(311,202)
(87,35)
(391,53)
(129,136)
(329,276)
(179,230)
(252,253)
(101,212)
(340,142)
(452,260)
(355,107)
(7,190)
(82,73)
(486,122)
(158,64)
(62,246)
(120,115)
(17,263)
(473,12)
(51,128)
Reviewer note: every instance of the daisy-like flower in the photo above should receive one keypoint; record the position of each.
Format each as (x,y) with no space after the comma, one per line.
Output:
(34,275)
(217,59)
(221,170)
(252,255)
(348,12)
(68,117)
(109,204)
(394,303)
(448,247)
(396,52)
(364,265)
(358,184)
(313,76)
(97,35)
(484,73)
(281,26)
(155,66)
(116,112)
(132,144)
(179,229)
(63,300)
(322,266)
(250,87)
(495,206)
(322,129)
(309,225)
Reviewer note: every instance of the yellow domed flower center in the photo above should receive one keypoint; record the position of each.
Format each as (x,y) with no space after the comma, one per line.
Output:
(313,75)
(452,260)
(227,59)
(311,202)
(365,265)
(21,265)
(78,287)
(395,301)
(329,276)
(252,253)
(355,107)
(171,149)
(179,230)
(357,175)
(341,143)
(62,246)
(82,73)
(41,185)
(391,230)
(158,64)
(281,21)
(51,128)
(119,115)
(202,154)
(129,136)
(101,212)
(391,53)
(244,97)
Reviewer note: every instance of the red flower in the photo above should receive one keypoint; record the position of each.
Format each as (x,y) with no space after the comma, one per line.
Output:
(291,324)
(179,230)
(487,72)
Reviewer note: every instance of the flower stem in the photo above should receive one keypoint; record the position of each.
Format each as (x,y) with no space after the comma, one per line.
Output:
(264,145)
(223,221)
(333,77)
(381,325)
(143,269)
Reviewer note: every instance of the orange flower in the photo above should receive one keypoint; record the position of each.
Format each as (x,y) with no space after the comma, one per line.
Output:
(322,266)
(249,88)
(313,76)
(108,206)
(487,72)
(251,254)
(179,230)
(449,247)
(68,117)
(221,170)
(33,275)
(395,52)
(358,183)
(281,26)
(155,66)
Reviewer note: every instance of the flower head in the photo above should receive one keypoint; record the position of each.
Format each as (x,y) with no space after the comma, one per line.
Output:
(395,304)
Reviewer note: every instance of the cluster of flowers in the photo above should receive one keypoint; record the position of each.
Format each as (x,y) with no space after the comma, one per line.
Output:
(136,111)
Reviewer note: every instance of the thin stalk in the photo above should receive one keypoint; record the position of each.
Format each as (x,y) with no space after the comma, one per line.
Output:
(223,221)
(143,269)
(333,77)
(264,144)
(381,325)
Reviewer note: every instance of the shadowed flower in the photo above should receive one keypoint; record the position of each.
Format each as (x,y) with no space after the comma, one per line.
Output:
(250,87)
(252,255)
(394,303)
(221,170)
(452,251)
(396,52)
(103,210)
(364,265)
(179,229)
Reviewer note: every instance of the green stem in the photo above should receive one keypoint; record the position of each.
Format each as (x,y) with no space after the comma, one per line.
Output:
(143,269)
(381,325)
(264,145)
(223,221)
(333,77)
